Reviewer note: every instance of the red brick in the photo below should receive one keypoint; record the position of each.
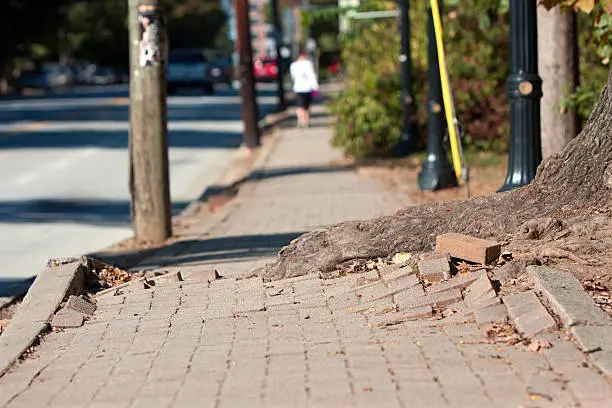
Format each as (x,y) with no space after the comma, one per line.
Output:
(434,269)
(469,248)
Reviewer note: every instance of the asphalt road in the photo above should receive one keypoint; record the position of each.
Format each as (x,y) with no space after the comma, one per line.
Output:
(64,167)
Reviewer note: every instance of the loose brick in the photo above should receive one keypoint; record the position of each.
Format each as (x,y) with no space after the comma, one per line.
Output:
(67,318)
(469,248)
(434,269)
(458,282)
(529,316)
(440,299)
(80,305)
(480,290)
(408,296)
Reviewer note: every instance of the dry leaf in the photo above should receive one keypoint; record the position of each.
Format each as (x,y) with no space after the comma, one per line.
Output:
(401,257)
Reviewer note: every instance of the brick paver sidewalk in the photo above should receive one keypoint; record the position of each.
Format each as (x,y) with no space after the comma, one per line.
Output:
(303,342)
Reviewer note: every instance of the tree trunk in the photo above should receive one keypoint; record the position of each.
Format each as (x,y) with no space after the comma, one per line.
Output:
(576,182)
(558,66)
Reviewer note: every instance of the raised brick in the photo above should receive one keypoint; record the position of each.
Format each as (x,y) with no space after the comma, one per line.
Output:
(472,249)
(80,305)
(458,282)
(440,299)
(403,283)
(201,274)
(395,318)
(480,290)
(434,269)
(528,314)
(491,315)
(67,318)
(389,273)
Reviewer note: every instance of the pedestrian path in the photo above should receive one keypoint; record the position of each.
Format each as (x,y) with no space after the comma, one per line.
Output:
(301,342)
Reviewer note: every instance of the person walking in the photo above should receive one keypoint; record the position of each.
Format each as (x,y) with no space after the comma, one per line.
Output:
(304,84)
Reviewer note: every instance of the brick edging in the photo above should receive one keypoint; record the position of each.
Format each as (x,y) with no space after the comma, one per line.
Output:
(43,298)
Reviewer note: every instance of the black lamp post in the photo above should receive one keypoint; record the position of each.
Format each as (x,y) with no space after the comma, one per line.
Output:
(524,88)
(436,172)
(408,109)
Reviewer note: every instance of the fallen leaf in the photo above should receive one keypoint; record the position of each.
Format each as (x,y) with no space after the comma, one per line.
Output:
(368,389)
(401,257)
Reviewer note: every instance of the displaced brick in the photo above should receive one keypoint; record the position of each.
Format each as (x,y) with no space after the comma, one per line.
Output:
(409,295)
(484,303)
(480,290)
(440,299)
(469,248)
(80,305)
(403,283)
(434,269)
(491,315)
(593,338)
(201,274)
(67,318)
(396,318)
(567,297)
(371,275)
(457,282)
(169,278)
(389,273)
(529,316)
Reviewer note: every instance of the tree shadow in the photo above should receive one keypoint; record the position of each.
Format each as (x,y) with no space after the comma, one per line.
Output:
(221,250)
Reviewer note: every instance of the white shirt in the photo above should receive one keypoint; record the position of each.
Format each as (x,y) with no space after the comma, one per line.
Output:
(303,76)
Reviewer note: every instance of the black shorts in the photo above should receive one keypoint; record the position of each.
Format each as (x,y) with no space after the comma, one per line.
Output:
(304,99)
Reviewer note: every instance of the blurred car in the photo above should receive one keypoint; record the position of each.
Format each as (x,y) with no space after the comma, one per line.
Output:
(265,69)
(220,71)
(188,68)
(48,76)
(104,76)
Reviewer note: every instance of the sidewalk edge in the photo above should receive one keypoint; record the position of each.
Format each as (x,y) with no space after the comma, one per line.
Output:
(43,298)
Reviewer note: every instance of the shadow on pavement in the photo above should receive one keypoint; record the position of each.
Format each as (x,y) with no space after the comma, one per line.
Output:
(210,251)
(78,211)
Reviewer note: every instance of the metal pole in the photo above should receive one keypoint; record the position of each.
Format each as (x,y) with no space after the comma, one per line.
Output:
(436,172)
(408,108)
(280,63)
(149,174)
(524,88)
(246,76)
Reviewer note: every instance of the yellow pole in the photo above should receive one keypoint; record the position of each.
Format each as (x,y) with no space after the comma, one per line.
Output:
(448,108)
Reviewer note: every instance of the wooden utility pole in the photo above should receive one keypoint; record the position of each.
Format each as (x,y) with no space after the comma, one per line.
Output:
(246,76)
(148,139)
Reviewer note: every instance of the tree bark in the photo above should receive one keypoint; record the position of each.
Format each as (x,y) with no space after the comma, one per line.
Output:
(558,66)
(577,181)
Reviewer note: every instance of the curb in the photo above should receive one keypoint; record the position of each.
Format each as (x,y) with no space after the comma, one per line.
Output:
(588,324)
(32,318)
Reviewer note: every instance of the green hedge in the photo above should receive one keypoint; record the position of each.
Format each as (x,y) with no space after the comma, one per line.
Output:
(477,50)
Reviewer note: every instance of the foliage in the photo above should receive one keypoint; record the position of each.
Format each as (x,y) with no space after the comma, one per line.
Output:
(368,108)
(476,40)
(94,30)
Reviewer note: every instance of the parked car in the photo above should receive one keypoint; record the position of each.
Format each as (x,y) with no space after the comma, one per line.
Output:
(265,69)
(48,76)
(188,68)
